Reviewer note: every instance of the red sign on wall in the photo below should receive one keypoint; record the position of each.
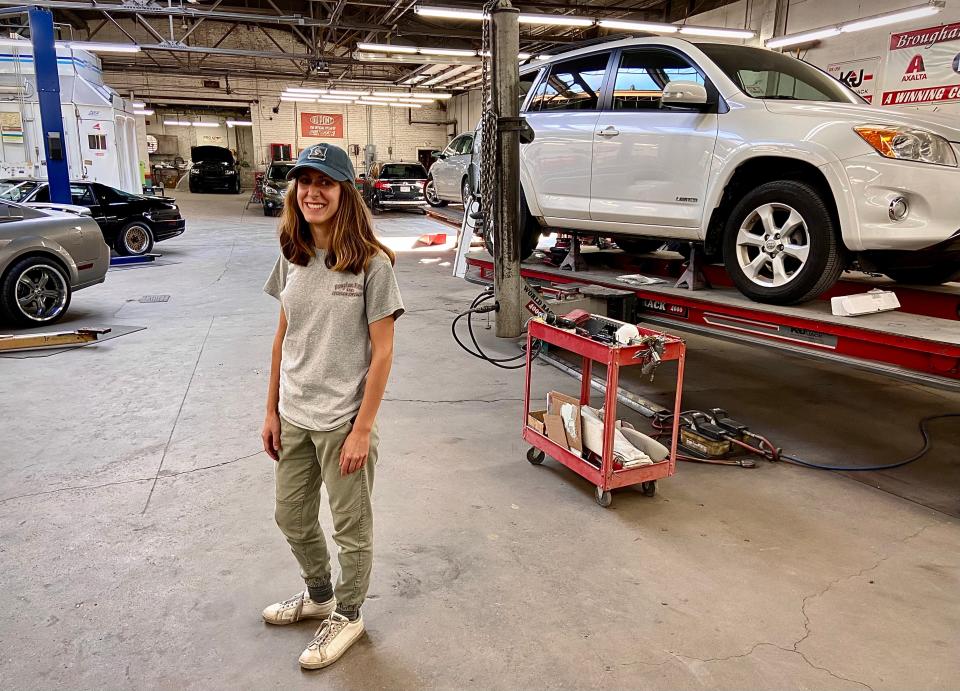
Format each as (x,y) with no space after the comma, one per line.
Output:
(321,125)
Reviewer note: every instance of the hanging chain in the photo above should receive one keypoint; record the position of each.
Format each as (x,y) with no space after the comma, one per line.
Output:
(487,187)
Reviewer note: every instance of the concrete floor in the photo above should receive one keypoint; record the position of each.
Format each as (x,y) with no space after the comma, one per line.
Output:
(137,543)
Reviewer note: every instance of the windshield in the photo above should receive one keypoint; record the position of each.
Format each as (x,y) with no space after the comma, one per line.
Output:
(765,74)
(396,171)
(17,191)
(278,172)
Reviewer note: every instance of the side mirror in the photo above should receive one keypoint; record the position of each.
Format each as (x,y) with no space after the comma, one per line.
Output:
(681,94)
(438,155)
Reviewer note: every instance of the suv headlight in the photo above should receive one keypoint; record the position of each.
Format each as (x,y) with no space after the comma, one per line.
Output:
(271,191)
(194,171)
(908,144)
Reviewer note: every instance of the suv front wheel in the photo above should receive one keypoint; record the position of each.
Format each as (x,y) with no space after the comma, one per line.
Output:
(781,244)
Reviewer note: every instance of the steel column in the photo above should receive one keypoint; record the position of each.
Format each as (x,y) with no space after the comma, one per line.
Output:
(508,284)
(48,93)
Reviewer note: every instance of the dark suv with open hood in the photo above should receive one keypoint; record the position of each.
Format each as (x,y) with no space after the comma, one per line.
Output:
(214,168)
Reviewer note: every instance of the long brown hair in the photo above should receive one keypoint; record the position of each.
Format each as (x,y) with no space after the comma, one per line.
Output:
(352,242)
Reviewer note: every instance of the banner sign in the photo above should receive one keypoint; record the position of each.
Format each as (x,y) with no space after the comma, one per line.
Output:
(321,125)
(11,128)
(859,75)
(923,66)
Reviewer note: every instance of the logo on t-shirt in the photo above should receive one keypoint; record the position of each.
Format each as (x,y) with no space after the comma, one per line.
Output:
(353,290)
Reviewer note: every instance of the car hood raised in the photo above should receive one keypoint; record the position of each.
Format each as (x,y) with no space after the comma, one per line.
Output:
(857,114)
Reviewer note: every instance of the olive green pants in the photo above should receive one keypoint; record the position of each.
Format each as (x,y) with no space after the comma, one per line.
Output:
(309,460)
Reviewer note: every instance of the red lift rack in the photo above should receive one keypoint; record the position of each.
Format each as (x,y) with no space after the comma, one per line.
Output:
(614,357)
(920,342)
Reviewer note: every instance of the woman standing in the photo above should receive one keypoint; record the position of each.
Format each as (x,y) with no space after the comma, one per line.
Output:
(331,358)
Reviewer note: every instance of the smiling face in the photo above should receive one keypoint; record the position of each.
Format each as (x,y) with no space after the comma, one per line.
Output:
(318,197)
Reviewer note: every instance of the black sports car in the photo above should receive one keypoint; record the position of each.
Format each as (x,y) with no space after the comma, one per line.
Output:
(130,223)
(214,168)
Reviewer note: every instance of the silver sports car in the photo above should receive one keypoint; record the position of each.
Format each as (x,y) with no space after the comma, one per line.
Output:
(45,255)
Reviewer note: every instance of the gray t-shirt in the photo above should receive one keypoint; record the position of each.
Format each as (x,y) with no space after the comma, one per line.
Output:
(326,350)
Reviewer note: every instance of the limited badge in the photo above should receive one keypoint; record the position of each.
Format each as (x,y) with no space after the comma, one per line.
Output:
(318,153)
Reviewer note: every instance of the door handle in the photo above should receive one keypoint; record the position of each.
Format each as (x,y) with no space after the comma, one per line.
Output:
(609,131)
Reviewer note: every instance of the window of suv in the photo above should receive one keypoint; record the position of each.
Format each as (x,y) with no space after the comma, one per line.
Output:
(278,172)
(642,75)
(403,171)
(765,74)
(526,83)
(572,84)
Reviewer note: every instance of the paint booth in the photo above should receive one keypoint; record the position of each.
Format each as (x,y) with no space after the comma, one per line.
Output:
(99,126)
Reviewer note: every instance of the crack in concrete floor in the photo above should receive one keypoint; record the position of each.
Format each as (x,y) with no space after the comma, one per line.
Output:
(806,618)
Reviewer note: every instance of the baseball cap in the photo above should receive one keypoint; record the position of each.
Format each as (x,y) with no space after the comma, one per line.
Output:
(328,159)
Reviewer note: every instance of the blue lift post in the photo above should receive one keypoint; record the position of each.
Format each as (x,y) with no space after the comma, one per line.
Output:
(51,115)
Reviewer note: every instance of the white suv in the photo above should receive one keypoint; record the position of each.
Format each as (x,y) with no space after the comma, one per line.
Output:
(762,159)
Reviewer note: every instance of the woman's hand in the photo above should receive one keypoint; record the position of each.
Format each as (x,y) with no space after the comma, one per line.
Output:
(271,435)
(353,453)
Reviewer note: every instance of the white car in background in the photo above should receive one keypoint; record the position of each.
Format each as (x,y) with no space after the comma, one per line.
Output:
(448,179)
(760,159)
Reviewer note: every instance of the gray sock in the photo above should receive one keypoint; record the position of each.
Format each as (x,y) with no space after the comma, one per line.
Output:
(320,593)
(351,613)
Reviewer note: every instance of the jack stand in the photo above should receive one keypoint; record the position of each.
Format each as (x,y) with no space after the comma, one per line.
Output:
(692,277)
(574,261)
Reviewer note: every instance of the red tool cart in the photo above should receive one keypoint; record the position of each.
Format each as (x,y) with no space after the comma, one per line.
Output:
(607,477)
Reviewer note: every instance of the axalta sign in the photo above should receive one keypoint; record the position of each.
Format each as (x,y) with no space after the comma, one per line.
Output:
(321,125)
(923,66)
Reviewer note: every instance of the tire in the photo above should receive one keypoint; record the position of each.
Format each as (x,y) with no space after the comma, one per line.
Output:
(465,194)
(267,212)
(35,292)
(932,276)
(529,233)
(430,193)
(638,245)
(135,240)
(236,187)
(781,244)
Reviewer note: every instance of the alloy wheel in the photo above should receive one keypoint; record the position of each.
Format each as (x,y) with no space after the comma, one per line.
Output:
(136,239)
(430,192)
(41,293)
(773,245)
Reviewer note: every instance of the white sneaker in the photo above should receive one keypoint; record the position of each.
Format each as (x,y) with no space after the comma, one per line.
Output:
(298,607)
(333,638)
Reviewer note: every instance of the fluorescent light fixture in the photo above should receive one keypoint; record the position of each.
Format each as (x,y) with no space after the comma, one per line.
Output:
(638,26)
(95,47)
(205,124)
(298,99)
(449,13)
(520,56)
(295,91)
(431,94)
(177,123)
(348,93)
(239,123)
(386,48)
(138,104)
(805,37)
(143,111)
(405,105)
(556,20)
(388,94)
(335,99)
(894,17)
(453,52)
(717,33)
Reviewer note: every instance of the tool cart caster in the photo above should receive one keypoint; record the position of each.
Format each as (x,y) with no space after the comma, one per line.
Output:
(535,455)
(648,488)
(603,498)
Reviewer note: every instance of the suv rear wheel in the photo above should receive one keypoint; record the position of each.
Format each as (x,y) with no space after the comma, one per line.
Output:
(530,231)
(781,244)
